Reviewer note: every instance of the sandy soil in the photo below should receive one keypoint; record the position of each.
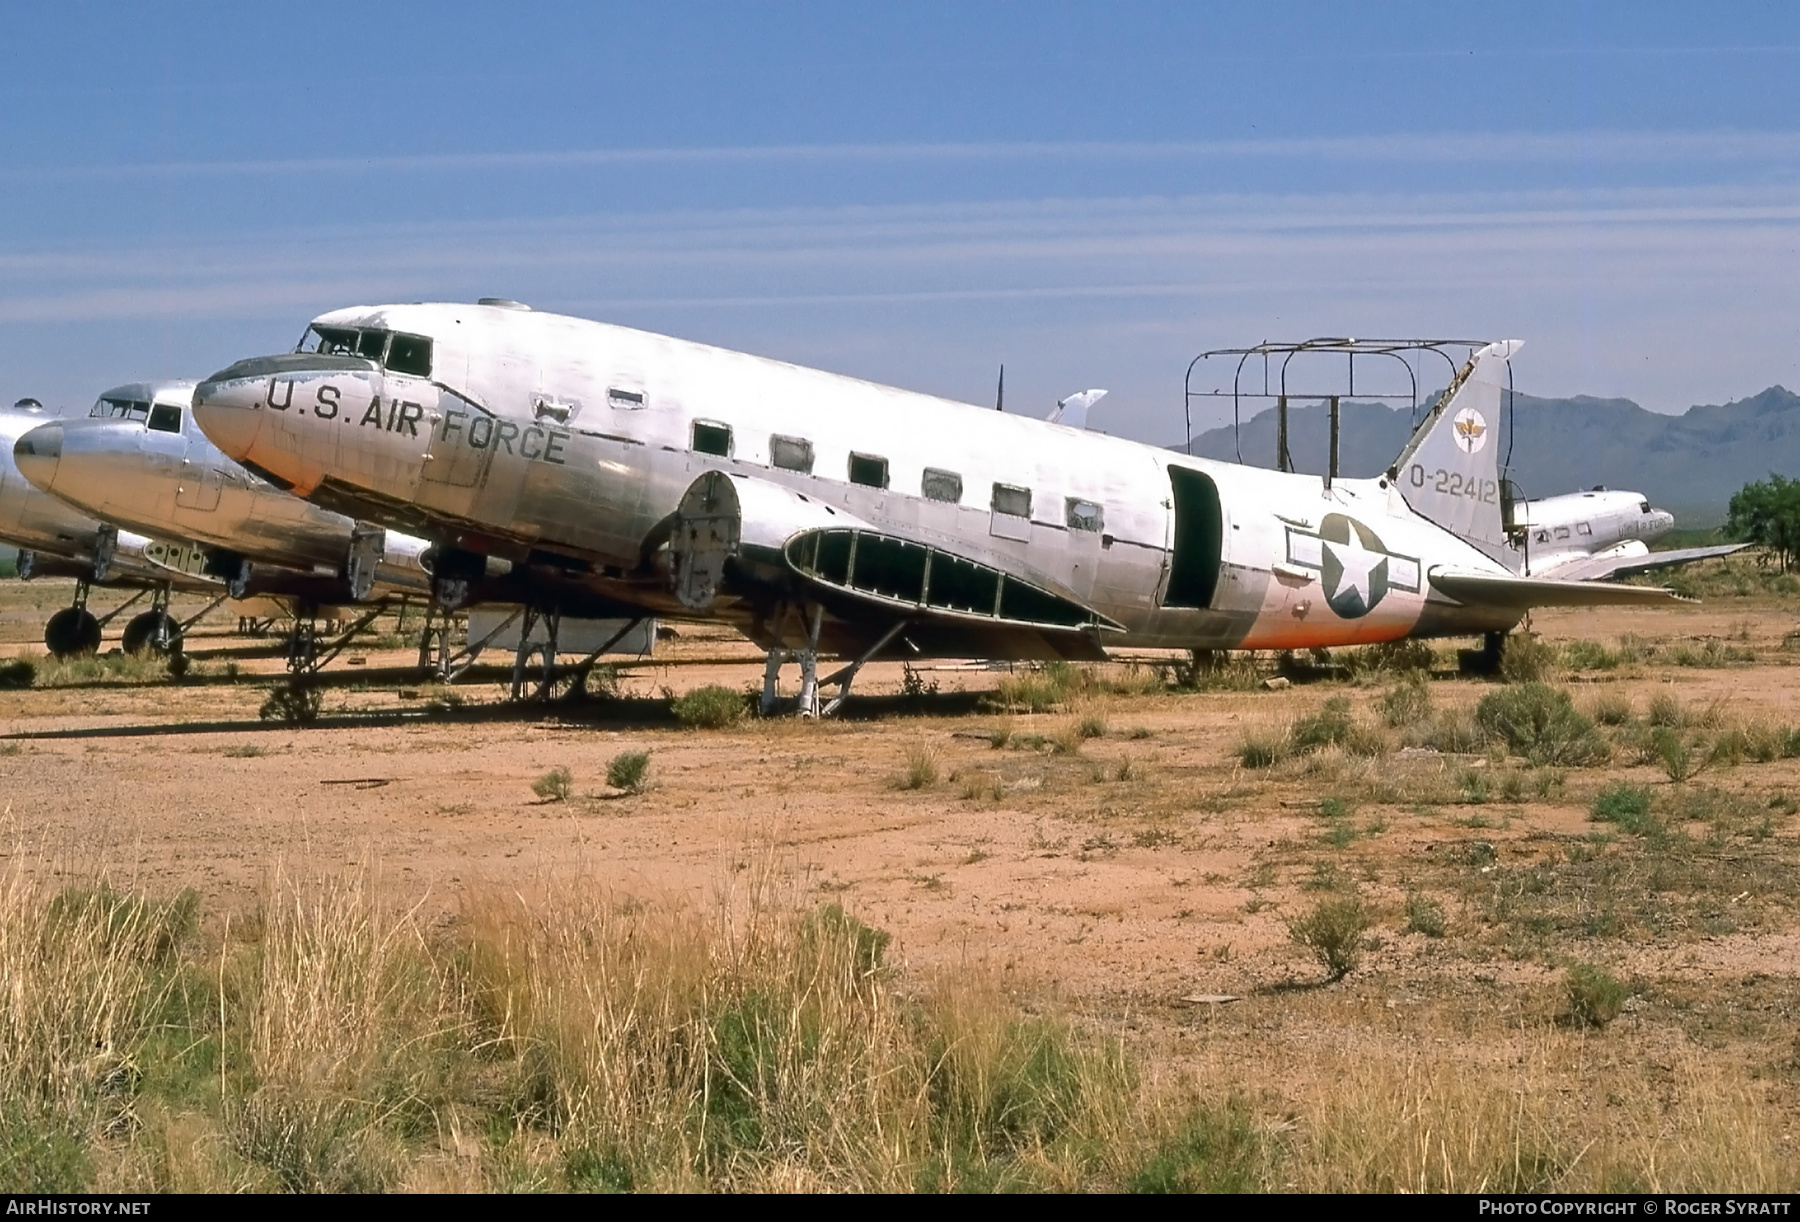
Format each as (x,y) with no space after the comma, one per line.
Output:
(1125,896)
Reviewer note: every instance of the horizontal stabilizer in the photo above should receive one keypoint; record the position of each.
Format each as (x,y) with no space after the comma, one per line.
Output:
(1595,568)
(1522,593)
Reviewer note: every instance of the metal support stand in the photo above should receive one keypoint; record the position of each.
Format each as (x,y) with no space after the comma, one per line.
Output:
(810,703)
(203,612)
(452,667)
(303,641)
(845,677)
(583,668)
(809,665)
(1283,460)
(305,653)
(521,652)
(1331,461)
(108,618)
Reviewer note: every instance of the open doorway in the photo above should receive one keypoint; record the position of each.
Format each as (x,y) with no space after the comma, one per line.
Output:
(1199,540)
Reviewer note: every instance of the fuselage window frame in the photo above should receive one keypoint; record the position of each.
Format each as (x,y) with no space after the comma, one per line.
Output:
(711,437)
(164,418)
(1083,514)
(868,470)
(1012,500)
(940,485)
(791,453)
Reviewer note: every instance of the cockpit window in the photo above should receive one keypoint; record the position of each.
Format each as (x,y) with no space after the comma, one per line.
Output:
(330,341)
(410,354)
(400,352)
(165,418)
(120,409)
(372,344)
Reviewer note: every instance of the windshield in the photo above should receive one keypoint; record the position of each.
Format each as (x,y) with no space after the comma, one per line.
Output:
(120,409)
(398,351)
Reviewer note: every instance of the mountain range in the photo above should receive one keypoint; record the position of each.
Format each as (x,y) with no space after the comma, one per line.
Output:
(1688,464)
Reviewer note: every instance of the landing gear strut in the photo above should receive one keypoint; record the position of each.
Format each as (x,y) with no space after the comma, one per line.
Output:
(154,631)
(1486,660)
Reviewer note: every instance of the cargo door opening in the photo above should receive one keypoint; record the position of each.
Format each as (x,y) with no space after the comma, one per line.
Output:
(1199,540)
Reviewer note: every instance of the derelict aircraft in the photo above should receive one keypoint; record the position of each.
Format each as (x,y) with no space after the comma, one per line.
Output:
(139,462)
(57,541)
(626,473)
(632,474)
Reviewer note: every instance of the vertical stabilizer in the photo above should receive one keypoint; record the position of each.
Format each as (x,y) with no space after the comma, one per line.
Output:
(1449,471)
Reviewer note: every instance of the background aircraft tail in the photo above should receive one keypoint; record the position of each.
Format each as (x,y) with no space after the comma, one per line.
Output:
(1449,471)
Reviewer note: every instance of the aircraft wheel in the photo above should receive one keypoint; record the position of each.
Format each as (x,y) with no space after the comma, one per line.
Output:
(152,632)
(71,633)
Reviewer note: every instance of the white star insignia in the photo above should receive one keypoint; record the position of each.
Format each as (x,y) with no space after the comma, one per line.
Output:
(1357,563)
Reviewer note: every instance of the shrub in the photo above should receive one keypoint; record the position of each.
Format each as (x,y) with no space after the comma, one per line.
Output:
(1262,748)
(1612,710)
(1213,670)
(1595,996)
(1332,724)
(1452,731)
(18,674)
(1590,655)
(1216,1150)
(1334,931)
(712,707)
(555,785)
(1408,702)
(1681,758)
(1091,725)
(1666,710)
(1628,806)
(921,770)
(1526,659)
(1540,722)
(629,770)
(296,702)
(1424,915)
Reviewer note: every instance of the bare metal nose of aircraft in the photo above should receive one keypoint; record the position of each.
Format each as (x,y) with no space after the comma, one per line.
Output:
(38,453)
(227,409)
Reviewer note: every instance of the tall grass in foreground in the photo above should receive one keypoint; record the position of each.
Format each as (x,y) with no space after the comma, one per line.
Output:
(341,1041)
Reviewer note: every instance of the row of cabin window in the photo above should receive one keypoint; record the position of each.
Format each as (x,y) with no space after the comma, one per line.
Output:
(796,454)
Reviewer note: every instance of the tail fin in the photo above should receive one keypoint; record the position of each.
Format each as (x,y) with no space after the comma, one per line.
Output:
(1449,471)
(1073,410)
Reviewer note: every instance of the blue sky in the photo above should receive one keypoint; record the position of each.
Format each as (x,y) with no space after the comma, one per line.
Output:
(916,193)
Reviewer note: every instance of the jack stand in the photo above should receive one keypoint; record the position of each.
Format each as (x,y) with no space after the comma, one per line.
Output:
(771,693)
(303,641)
(522,653)
(552,621)
(846,676)
(809,665)
(579,675)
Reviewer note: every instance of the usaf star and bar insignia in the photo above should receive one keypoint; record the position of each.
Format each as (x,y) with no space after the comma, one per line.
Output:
(1354,566)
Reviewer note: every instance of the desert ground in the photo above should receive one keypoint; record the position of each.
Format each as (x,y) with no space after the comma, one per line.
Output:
(1131,845)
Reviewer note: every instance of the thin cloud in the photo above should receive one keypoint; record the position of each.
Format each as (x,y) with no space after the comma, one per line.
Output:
(1647,147)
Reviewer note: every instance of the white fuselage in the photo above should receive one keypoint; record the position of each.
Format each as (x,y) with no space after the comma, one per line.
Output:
(138,461)
(1558,531)
(550,441)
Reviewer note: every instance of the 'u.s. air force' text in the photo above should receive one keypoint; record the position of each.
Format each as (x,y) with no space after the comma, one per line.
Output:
(535,442)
